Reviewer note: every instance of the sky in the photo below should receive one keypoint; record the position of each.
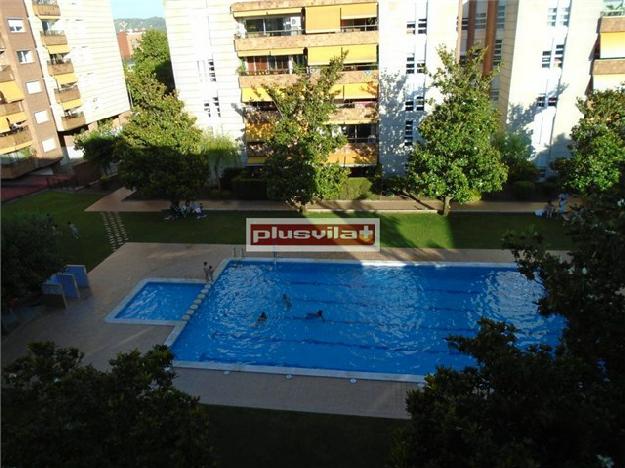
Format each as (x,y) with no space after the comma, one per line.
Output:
(137,8)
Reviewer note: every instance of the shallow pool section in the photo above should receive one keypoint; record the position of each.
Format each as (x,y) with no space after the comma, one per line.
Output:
(157,301)
(380,320)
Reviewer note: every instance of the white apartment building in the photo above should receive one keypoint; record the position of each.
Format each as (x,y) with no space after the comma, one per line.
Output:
(82,68)
(551,52)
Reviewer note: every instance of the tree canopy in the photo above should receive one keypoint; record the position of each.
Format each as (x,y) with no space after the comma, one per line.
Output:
(538,406)
(152,58)
(57,412)
(160,147)
(99,144)
(598,150)
(456,157)
(221,152)
(30,254)
(302,138)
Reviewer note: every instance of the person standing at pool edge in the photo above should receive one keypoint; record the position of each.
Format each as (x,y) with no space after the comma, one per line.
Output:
(208,272)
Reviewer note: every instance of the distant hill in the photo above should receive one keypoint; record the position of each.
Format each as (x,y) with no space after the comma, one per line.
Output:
(156,22)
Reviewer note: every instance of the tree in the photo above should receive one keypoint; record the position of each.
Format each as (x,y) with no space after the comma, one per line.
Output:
(302,139)
(221,151)
(598,150)
(30,254)
(515,150)
(456,158)
(152,58)
(57,412)
(159,149)
(538,407)
(98,145)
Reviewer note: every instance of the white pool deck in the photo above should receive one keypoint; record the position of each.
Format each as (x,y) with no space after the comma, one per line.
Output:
(83,325)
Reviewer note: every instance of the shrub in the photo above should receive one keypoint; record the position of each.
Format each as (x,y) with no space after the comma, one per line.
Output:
(523,189)
(330,179)
(356,188)
(249,188)
(228,174)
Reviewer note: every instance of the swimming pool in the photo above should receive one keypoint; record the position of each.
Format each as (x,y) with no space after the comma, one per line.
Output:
(381,320)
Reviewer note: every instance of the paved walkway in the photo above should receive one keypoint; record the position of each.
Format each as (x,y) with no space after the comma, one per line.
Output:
(115,202)
(82,325)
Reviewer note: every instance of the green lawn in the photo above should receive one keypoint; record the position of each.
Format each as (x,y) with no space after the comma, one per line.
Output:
(457,231)
(264,438)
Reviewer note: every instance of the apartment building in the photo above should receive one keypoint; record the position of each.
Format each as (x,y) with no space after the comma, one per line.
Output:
(128,41)
(549,52)
(64,59)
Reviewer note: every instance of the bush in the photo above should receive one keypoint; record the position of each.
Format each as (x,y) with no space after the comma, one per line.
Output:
(522,170)
(523,189)
(356,188)
(249,188)
(228,174)
(330,180)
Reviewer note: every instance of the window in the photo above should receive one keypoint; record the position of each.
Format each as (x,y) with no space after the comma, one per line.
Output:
(421,67)
(409,105)
(465,24)
(411,27)
(551,16)
(211,70)
(422,26)
(501,16)
(42,116)
(25,56)
(558,56)
(48,145)
(420,103)
(207,108)
(540,100)
(33,87)
(564,19)
(546,58)
(552,101)
(16,25)
(408,136)
(497,51)
(216,104)
(410,65)
(480,21)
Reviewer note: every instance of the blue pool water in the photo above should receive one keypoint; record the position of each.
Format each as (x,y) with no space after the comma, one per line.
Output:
(380,319)
(160,301)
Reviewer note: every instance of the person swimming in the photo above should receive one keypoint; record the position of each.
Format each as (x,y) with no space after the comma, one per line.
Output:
(315,315)
(286,301)
(261,318)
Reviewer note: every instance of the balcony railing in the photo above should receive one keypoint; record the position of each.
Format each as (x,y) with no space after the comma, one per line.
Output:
(360,27)
(6,74)
(15,138)
(73,121)
(275,71)
(10,108)
(369,139)
(67,94)
(59,67)
(53,38)
(46,8)
(274,33)
(614,12)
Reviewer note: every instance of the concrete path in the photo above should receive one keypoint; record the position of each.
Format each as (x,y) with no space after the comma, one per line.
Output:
(115,202)
(82,325)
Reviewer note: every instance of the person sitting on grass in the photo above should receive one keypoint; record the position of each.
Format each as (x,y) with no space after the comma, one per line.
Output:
(549,210)
(199,212)
(315,315)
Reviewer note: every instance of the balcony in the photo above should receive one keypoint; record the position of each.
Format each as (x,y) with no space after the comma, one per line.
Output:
(52,38)
(265,45)
(275,33)
(46,9)
(67,94)
(73,121)
(6,74)
(355,114)
(11,113)
(15,140)
(60,68)
(10,108)
(355,154)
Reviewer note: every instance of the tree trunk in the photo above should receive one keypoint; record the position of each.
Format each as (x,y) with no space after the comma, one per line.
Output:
(446,205)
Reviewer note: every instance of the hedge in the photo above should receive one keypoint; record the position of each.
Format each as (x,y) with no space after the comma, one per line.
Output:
(249,188)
